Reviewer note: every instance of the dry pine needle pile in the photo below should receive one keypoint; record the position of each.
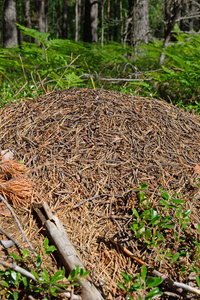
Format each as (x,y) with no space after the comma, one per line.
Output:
(100,145)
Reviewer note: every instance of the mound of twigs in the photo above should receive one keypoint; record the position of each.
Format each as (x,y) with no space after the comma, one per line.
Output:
(88,150)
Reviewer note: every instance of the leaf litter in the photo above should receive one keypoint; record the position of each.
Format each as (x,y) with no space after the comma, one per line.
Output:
(86,152)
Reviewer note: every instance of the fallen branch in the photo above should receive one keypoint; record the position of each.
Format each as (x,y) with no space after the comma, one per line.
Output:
(15,267)
(66,250)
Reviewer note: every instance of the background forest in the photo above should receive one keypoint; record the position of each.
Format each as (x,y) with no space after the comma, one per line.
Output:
(147,48)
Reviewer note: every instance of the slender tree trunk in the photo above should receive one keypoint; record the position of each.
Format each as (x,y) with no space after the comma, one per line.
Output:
(77,18)
(9,29)
(20,11)
(121,21)
(108,22)
(58,20)
(46,15)
(27,18)
(102,21)
(42,19)
(65,20)
(172,10)
(91,21)
(115,34)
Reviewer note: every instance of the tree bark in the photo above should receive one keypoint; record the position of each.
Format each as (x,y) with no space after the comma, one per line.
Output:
(102,21)
(121,22)
(42,18)
(108,22)
(115,33)
(91,21)
(172,10)
(65,20)
(58,20)
(77,19)
(9,29)
(27,18)
(139,27)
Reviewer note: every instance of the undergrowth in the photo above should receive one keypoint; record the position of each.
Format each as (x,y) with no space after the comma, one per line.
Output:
(165,230)
(63,64)
(39,280)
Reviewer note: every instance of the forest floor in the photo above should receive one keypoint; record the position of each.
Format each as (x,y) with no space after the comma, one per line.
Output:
(104,147)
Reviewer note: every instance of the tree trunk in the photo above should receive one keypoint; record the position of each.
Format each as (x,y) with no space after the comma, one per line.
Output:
(172,10)
(58,20)
(27,18)
(9,29)
(139,12)
(77,19)
(102,21)
(115,34)
(121,21)
(64,21)
(42,18)
(108,22)
(91,21)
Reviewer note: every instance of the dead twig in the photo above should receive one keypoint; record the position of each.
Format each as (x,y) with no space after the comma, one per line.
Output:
(41,83)
(18,223)
(10,238)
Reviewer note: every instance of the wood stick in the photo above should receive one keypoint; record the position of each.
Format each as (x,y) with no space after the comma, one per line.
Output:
(41,83)
(66,250)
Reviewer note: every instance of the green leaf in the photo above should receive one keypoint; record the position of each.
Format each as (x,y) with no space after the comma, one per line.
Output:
(153,281)
(198,228)
(148,234)
(198,281)
(25,253)
(50,249)
(127,277)
(46,243)
(58,276)
(175,257)
(14,275)
(121,286)
(143,273)
(45,275)
(135,213)
(164,195)
(35,274)
(187,213)
(15,257)
(153,293)
(4,283)
(53,291)
(25,281)
(38,261)
(143,186)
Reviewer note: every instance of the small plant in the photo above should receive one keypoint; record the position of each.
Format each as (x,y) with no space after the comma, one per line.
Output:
(141,286)
(163,228)
(15,285)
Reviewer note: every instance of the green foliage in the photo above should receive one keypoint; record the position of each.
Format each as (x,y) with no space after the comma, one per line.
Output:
(65,64)
(15,285)
(146,287)
(163,228)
